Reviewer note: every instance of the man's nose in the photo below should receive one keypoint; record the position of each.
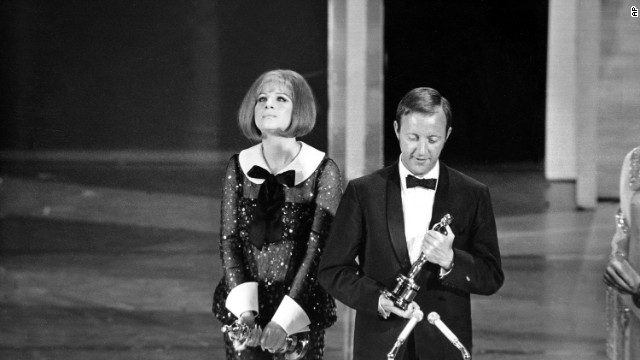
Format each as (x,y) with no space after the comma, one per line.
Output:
(422,147)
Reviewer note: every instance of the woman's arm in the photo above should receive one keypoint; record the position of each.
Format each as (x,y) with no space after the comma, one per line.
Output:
(619,272)
(328,196)
(243,295)
(327,200)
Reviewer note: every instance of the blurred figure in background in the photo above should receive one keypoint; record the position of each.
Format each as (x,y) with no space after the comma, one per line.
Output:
(279,199)
(621,274)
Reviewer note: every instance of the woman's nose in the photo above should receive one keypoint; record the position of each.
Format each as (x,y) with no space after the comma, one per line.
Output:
(268,103)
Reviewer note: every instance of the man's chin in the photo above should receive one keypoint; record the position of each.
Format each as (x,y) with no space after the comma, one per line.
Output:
(419,170)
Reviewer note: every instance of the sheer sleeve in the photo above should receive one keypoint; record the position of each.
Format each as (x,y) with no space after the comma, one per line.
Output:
(329,192)
(230,245)
(620,241)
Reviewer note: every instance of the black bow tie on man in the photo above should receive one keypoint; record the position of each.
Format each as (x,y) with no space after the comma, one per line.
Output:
(267,224)
(413,181)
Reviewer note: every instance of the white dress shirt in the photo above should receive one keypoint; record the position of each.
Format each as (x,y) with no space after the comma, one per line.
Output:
(417,207)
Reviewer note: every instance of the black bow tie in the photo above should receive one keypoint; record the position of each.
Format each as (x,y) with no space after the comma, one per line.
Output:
(286,178)
(413,181)
(267,222)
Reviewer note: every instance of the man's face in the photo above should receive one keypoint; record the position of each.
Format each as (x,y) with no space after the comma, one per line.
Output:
(421,138)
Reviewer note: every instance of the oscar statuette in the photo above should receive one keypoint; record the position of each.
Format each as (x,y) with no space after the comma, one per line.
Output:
(295,345)
(406,288)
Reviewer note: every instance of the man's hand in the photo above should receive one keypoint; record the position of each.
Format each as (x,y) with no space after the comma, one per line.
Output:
(388,306)
(273,338)
(622,276)
(439,248)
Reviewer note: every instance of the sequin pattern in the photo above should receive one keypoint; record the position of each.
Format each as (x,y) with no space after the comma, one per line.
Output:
(289,265)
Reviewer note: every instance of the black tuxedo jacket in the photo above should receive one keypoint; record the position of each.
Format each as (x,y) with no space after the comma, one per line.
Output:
(366,250)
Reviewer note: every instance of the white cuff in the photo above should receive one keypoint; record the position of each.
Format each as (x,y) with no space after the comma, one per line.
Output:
(444,272)
(243,297)
(291,316)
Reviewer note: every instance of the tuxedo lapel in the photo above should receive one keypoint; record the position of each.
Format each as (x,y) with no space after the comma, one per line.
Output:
(395,218)
(440,202)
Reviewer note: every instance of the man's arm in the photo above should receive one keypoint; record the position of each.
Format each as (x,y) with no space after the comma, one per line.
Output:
(479,270)
(339,270)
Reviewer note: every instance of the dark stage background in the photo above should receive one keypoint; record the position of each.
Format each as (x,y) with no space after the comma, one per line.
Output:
(149,75)
(488,58)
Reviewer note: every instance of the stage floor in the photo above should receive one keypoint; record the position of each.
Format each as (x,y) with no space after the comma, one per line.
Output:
(119,261)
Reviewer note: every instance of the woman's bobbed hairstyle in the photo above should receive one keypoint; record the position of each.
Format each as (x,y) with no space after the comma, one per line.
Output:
(303,114)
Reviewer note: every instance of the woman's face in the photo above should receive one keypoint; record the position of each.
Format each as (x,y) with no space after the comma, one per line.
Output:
(272,112)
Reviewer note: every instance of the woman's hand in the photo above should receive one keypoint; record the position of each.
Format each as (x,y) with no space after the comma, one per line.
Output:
(248,318)
(622,276)
(273,338)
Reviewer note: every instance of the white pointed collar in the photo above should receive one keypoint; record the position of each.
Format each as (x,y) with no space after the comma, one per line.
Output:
(304,164)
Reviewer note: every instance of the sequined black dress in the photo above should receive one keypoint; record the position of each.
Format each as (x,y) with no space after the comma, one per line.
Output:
(288,265)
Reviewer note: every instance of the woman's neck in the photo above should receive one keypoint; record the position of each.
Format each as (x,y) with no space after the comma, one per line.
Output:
(279,151)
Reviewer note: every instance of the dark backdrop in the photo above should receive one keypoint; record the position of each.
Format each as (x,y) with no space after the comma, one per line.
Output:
(149,75)
(163,75)
(488,58)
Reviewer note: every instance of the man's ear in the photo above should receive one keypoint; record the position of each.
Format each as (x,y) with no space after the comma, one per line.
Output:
(448,133)
(396,128)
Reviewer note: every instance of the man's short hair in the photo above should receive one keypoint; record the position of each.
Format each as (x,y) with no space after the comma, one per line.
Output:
(426,101)
(303,114)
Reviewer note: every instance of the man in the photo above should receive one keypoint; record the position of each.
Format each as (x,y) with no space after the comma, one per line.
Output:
(382,226)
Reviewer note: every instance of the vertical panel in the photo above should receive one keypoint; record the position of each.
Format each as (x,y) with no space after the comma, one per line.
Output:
(374,109)
(619,92)
(355,61)
(336,77)
(560,155)
(356,80)
(588,52)
(356,85)
(572,83)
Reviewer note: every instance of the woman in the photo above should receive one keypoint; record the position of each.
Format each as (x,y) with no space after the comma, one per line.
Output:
(279,199)
(620,274)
